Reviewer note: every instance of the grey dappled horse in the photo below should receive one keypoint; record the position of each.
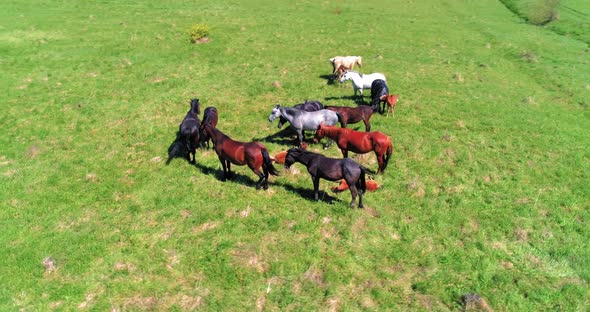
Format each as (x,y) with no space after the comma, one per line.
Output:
(302,120)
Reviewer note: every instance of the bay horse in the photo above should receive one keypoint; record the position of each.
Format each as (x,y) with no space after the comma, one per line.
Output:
(359,143)
(360,81)
(302,120)
(347,62)
(380,96)
(189,131)
(352,115)
(253,154)
(308,106)
(332,169)
(210,116)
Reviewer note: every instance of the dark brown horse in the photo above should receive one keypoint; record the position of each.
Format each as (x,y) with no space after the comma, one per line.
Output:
(252,154)
(189,130)
(355,114)
(332,169)
(359,142)
(210,116)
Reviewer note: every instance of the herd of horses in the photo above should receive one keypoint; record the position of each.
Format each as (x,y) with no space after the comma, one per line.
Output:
(311,116)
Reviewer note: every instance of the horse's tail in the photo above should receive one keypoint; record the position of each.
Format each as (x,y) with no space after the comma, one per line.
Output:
(387,155)
(341,120)
(267,163)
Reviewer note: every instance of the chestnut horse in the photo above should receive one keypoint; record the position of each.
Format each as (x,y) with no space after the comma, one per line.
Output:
(359,142)
(252,154)
(210,116)
(332,169)
(352,115)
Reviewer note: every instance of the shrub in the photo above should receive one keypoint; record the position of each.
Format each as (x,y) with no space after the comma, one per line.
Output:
(198,31)
(536,12)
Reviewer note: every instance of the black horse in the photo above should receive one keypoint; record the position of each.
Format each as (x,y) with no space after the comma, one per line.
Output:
(308,106)
(210,116)
(331,169)
(189,130)
(379,94)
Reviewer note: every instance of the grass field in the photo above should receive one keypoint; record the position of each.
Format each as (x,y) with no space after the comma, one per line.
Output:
(487,192)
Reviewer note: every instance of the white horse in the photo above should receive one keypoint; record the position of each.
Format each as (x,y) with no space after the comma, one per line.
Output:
(360,81)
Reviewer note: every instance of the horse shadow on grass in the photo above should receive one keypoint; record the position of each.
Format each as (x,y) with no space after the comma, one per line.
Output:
(286,136)
(330,79)
(238,178)
(176,150)
(356,99)
(307,193)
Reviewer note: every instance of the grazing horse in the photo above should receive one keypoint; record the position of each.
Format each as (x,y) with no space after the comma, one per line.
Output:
(345,61)
(380,96)
(189,130)
(332,169)
(252,154)
(360,81)
(210,116)
(352,115)
(340,72)
(302,120)
(359,143)
(308,106)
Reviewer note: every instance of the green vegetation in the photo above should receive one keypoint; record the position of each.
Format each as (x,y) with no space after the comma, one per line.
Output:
(487,192)
(198,31)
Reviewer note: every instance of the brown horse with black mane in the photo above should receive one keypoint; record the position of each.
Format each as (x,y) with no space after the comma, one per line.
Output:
(359,142)
(352,115)
(252,154)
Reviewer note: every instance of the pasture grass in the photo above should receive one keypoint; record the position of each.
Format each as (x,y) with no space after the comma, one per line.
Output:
(487,191)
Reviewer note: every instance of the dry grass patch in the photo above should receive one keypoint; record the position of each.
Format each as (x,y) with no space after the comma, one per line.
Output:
(244,255)
(315,276)
(416,187)
(205,227)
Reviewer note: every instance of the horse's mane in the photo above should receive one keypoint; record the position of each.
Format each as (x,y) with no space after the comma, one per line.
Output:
(352,71)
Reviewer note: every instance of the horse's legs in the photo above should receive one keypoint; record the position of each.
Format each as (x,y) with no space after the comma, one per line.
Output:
(367,124)
(344,152)
(300,136)
(316,187)
(229,175)
(224,167)
(353,192)
(265,185)
(260,180)
(380,160)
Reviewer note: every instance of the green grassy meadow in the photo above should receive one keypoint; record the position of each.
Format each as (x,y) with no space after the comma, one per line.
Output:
(487,191)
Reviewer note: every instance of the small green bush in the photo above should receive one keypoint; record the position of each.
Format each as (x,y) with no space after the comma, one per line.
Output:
(198,31)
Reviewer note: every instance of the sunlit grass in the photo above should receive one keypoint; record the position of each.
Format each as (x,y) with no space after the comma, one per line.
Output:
(486,192)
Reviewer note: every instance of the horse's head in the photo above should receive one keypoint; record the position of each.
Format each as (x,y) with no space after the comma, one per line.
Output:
(292,156)
(340,71)
(195,106)
(359,61)
(275,113)
(345,76)
(319,134)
